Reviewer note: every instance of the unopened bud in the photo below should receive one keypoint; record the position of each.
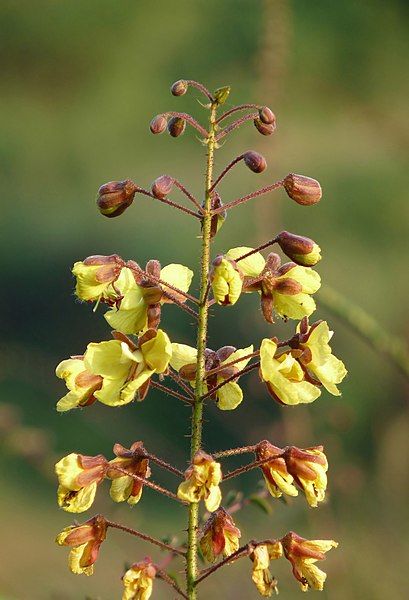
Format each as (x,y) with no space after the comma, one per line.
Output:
(267,116)
(162,186)
(115,197)
(263,128)
(301,250)
(176,126)
(303,190)
(255,161)
(179,88)
(221,94)
(158,124)
(219,218)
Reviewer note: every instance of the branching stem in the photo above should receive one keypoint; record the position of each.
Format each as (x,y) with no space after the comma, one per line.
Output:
(189,119)
(170,203)
(171,392)
(147,538)
(236,109)
(226,170)
(243,551)
(146,482)
(255,194)
(235,125)
(232,378)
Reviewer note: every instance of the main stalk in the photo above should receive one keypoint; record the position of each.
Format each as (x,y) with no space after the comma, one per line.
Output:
(196,435)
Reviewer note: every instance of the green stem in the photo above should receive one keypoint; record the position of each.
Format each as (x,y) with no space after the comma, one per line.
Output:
(197,415)
(393,347)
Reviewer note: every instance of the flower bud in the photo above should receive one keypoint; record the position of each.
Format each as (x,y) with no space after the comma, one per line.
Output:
(162,186)
(267,116)
(115,197)
(264,128)
(303,190)
(179,88)
(85,541)
(220,536)
(138,580)
(158,124)
(226,280)
(255,161)
(221,94)
(219,218)
(301,250)
(176,126)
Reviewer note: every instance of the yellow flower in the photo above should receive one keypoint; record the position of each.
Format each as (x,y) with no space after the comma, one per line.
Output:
(138,581)
(317,356)
(131,316)
(81,384)
(98,277)
(85,541)
(278,479)
(124,368)
(230,395)
(284,376)
(202,480)
(226,280)
(309,468)
(220,536)
(125,488)
(303,554)
(284,289)
(261,556)
(78,478)
(290,291)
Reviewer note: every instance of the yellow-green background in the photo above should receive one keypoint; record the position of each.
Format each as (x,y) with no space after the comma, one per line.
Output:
(80,82)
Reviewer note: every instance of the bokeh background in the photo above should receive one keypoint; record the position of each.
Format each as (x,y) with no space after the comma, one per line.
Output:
(80,83)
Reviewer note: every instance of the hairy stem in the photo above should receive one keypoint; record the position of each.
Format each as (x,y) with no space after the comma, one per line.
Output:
(197,415)
(243,551)
(147,538)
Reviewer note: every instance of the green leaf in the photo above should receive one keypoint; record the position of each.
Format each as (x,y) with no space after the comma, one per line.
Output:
(262,503)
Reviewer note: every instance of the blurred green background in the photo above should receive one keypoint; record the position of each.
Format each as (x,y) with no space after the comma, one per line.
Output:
(80,83)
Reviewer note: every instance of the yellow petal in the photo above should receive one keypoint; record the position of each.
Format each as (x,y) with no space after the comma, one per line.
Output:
(251,266)
(188,492)
(294,307)
(76,502)
(309,279)
(157,352)
(88,288)
(121,488)
(67,470)
(238,354)
(267,362)
(74,561)
(182,355)
(229,396)
(132,315)
(177,275)
(114,392)
(106,359)
(214,498)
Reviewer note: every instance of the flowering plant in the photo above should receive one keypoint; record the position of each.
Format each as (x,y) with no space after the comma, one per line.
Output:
(140,355)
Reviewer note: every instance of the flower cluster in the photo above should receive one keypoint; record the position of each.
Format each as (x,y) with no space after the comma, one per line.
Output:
(140,357)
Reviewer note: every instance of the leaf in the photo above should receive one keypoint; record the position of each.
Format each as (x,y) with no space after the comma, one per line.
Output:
(261,503)
(232,497)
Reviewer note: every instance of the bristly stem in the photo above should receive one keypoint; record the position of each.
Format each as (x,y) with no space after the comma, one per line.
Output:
(196,431)
(189,119)
(171,392)
(250,467)
(169,202)
(146,482)
(255,194)
(146,537)
(232,378)
(161,574)
(234,451)
(234,125)
(243,551)
(201,88)
(236,109)
(226,170)
(186,192)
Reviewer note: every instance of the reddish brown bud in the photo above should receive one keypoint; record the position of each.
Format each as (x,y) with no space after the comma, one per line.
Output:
(115,197)
(176,126)
(264,128)
(179,88)
(158,124)
(303,190)
(267,116)
(301,250)
(162,186)
(255,161)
